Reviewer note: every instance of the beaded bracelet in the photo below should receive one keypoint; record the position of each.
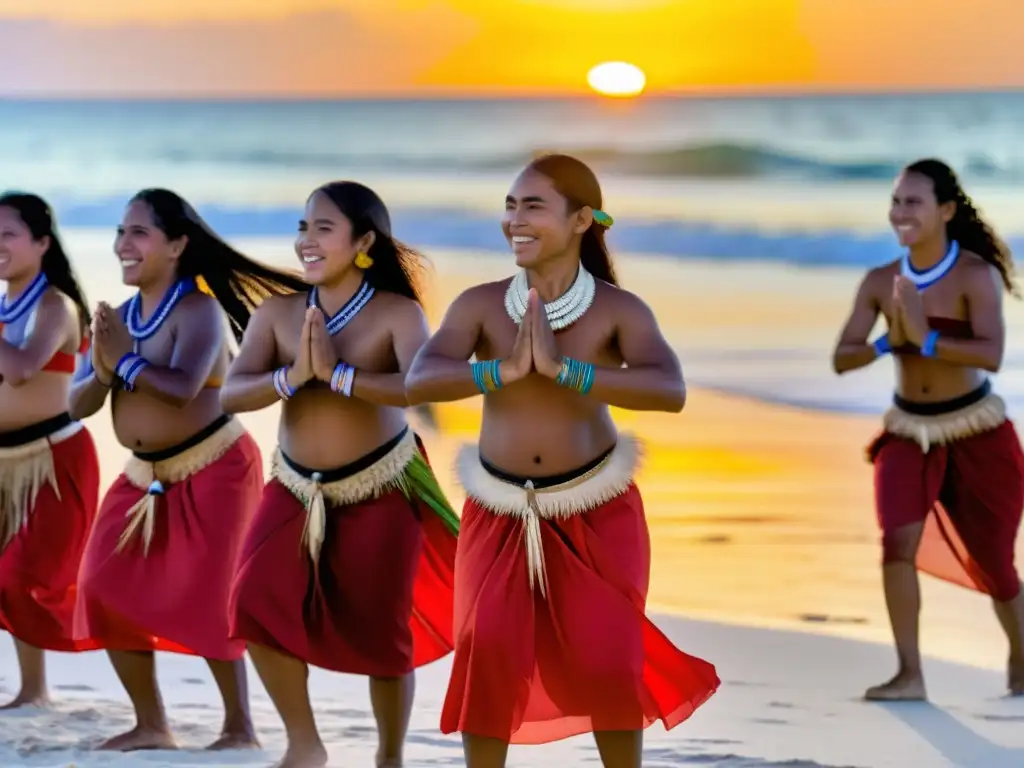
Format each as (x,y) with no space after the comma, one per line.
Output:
(342,379)
(882,345)
(128,369)
(487,375)
(576,375)
(281,386)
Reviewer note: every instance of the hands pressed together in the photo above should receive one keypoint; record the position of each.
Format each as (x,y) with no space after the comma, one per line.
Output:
(535,349)
(110,340)
(909,321)
(316,358)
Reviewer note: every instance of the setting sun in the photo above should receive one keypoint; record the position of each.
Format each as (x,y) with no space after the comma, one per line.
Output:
(617,78)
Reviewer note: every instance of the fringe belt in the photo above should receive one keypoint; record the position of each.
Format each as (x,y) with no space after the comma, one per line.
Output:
(930,424)
(533,500)
(153,472)
(377,473)
(26,465)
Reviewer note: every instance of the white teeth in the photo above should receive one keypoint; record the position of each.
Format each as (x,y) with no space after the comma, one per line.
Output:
(130,263)
(312,259)
(523,239)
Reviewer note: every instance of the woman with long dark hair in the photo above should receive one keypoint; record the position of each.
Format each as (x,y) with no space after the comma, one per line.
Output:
(349,562)
(949,469)
(159,563)
(554,557)
(49,472)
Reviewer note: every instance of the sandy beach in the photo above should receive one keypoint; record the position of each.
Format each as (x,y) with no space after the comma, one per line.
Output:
(765,562)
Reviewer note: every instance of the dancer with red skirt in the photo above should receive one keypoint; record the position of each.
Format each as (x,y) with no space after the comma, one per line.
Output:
(349,563)
(554,553)
(159,564)
(949,469)
(49,471)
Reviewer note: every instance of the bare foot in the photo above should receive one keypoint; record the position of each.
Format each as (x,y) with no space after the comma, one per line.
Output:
(239,740)
(904,687)
(27,700)
(1015,676)
(138,739)
(311,756)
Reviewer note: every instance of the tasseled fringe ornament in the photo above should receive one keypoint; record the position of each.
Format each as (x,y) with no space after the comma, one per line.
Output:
(24,471)
(315,528)
(536,569)
(142,514)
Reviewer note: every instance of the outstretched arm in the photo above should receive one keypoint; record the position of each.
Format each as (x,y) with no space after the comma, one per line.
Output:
(197,347)
(19,365)
(440,371)
(853,350)
(249,385)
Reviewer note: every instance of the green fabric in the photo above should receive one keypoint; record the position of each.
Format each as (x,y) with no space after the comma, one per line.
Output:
(418,480)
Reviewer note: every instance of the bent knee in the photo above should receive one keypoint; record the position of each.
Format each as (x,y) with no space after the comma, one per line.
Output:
(899,545)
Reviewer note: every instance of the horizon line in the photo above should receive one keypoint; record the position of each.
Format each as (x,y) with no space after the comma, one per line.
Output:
(421,95)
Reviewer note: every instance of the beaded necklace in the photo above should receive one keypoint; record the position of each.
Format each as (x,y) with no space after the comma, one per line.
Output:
(349,309)
(932,275)
(563,311)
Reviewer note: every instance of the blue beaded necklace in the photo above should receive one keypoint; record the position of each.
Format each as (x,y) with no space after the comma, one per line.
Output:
(349,309)
(12,312)
(934,274)
(139,330)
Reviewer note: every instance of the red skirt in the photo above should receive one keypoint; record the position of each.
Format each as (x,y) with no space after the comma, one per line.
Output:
(378,602)
(39,567)
(968,493)
(530,669)
(175,597)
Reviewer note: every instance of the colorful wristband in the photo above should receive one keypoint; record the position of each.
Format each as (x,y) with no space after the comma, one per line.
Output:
(930,346)
(343,378)
(281,386)
(576,375)
(487,375)
(128,369)
(882,345)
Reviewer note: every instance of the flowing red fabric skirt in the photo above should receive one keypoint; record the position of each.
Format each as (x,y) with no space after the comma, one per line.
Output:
(975,488)
(39,568)
(530,670)
(384,601)
(176,597)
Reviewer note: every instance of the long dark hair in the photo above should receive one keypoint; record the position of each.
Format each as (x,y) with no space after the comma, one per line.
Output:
(36,214)
(574,181)
(238,283)
(967,227)
(396,267)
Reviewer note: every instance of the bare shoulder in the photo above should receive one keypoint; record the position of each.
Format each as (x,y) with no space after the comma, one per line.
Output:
(621,303)
(883,275)
(398,309)
(977,270)
(479,299)
(55,300)
(277,308)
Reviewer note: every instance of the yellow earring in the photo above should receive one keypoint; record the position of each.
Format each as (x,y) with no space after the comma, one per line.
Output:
(363,260)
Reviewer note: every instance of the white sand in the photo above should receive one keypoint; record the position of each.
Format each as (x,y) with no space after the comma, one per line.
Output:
(756,511)
(789,699)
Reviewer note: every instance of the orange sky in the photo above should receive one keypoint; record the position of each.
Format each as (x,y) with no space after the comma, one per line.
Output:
(391,47)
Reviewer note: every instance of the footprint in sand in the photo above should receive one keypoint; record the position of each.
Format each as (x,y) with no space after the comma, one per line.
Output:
(75,687)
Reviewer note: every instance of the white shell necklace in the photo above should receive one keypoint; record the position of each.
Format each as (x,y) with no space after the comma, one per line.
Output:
(563,311)
(932,275)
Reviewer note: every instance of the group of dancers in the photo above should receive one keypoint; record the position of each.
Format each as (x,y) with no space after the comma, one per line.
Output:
(350,558)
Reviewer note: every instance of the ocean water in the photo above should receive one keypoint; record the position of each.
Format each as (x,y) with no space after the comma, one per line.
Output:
(798,182)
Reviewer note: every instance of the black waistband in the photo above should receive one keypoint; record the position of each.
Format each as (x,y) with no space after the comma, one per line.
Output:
(546,481)
(340,473)
(192,442)
(34,432)
(945,406)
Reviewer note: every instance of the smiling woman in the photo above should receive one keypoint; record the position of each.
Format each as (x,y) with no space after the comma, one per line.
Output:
(617,78)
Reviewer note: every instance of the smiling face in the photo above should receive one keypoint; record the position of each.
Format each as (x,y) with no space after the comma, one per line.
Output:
(538,223)
(325,245)
(147,256)
(916,215)
(21,255)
